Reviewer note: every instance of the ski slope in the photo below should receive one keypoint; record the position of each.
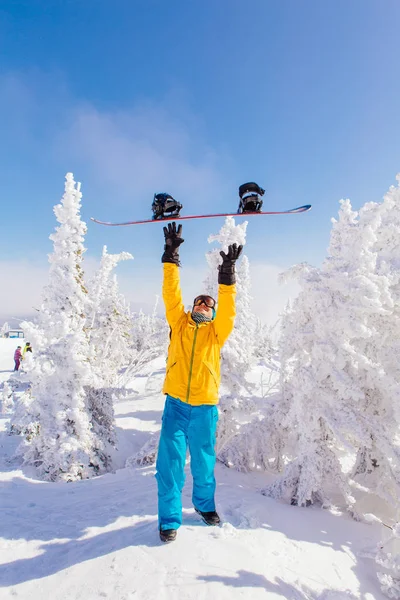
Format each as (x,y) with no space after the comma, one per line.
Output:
(98,538)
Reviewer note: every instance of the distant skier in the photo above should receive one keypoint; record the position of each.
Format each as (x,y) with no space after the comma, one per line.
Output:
(191,385)
(27,348)
(17,358)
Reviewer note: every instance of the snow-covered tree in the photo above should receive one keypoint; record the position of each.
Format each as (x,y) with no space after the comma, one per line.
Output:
(109,321)
(66,447)
(328,367)
(25,417)
(16,395)
(264,347)
(377,465)
(388,560)
(150,331)
(147,455)
(5,328)
(6,398)
(238,353)
(150,339)
(108,327)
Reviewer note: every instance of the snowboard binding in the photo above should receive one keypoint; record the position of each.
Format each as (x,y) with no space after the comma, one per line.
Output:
(164,206)
(250,198)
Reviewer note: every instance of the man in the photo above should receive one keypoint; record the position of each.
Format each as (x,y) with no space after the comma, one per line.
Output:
(27,348)
(191,385)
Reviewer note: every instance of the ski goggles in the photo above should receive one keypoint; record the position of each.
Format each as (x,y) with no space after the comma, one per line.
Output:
(207,300)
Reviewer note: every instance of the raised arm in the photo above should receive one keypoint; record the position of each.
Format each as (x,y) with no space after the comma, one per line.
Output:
(226,312)
(172,294)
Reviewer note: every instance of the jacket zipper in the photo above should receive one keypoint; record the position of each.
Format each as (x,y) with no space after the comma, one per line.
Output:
(191,364)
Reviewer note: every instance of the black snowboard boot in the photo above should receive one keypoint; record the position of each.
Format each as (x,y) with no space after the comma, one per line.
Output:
(209,518)
(167,535)
(250,197)
(165,205)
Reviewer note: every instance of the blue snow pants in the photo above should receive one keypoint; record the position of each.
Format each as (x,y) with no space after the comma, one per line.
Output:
(184,425)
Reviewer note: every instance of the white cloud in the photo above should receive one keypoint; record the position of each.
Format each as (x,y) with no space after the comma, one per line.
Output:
(128,154)
(146,149)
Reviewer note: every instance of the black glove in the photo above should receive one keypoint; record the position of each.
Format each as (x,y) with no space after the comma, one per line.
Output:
(226,274)
(173,240)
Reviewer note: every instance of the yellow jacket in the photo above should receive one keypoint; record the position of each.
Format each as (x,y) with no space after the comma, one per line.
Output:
(193,366)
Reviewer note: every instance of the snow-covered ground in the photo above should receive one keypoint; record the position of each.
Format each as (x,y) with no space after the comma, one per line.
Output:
(98,538)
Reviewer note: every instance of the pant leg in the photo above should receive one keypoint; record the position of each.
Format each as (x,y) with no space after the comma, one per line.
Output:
(16,367)
(201,439)
(170,465)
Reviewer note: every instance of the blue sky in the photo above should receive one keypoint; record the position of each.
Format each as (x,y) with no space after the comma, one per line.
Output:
(192,98)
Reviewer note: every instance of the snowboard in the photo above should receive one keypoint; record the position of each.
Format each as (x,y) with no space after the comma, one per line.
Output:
(291,211)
